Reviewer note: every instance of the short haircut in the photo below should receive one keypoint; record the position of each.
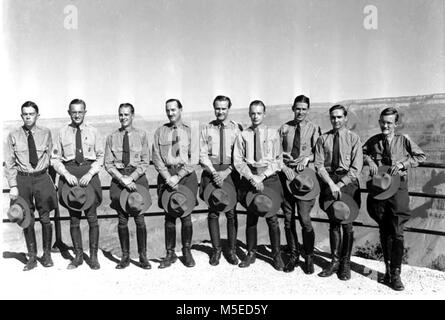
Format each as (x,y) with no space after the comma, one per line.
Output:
(339,107)
(30,104)
(257,103)
(126,105)
(301,99)
(389,112)
(78,101)
(174,100)
(222,99)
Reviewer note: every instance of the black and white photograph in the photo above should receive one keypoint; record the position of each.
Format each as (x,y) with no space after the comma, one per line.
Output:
(211,150)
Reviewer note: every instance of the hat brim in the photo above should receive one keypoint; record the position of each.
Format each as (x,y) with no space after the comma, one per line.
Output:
(276,201)
(388,193)
(26,212)
(91,197)
(143,191)
(191,200)
(309,195)
(350,202)
(228,187)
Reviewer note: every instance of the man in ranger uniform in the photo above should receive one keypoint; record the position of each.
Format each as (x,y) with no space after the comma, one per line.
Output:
(26,170)
(177,181)
(257,157)
(298,139)
(127,157)
(389,156)
(78,157)
(216,146)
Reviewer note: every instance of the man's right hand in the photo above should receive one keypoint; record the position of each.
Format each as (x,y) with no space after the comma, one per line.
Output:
(71,179)
(335,190)
(217,178)
(13,193)
(290,173)
(373,169)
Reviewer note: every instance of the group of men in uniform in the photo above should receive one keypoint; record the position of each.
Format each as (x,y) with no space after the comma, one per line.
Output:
(260,167)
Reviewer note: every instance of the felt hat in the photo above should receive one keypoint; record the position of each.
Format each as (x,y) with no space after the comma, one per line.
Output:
(135,202)
(221,199)
(179,202)
(78,198)
(264,203)
(305,185)
(344,210)
(382,185)
(20,213)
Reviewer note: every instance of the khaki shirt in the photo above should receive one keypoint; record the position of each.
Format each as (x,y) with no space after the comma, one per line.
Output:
(65,148)
(309,133)
(271,153)
(210,143)
(162,150)
(17,158)
(139,152)
(351,155)
(401,147)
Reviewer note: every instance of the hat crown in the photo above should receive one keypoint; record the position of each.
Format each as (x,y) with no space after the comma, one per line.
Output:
(304,183)
(219,196)
(77,196)
(178,202)
(262,203)
(15,213)
(341,210)
(135,201)
(382,181)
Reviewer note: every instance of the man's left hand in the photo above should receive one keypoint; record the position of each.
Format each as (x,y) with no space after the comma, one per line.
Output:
(173,181)
(396,168)
(85,180)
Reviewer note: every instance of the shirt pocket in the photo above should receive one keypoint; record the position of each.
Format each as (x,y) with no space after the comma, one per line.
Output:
(164,147)
(136,151)
(68,150)
(41,150)
(21,150)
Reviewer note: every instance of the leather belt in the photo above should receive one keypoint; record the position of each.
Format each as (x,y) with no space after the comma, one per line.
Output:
(127,170)
(32,174)
(73,163)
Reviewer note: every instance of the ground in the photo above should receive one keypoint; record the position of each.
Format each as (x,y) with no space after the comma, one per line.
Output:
(225,281)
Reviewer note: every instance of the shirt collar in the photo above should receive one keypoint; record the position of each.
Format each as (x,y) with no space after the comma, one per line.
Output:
(33,130)
(82,126)
(128,129)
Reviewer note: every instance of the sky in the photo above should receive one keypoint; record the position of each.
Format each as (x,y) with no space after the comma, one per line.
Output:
(147,51)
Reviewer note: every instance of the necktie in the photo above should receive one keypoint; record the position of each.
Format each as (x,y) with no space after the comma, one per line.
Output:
(221,143)
(295,153)
(257,145)
(336,153)
(175,142)
(33,159)
(126,149)
(79,153)
(386,156)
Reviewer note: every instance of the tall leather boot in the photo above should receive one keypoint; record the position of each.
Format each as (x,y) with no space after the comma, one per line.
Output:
(232,230)
(386,244)
(76,237)
(31,245)
(251,237)
(47,233)
(124,238)
(344,271)
(141,235)
(213,224)
(274,234)
(170,243)
(94,247)
(186,237)
(335,242)
(308,245)
(396,265)
(292,244)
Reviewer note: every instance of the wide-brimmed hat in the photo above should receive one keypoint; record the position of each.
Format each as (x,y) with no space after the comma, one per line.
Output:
(135,202)
(20,213)
(344,210)
(382,185)
(221,199)
(179,202)
(264,203)
(78,198)
(305,185)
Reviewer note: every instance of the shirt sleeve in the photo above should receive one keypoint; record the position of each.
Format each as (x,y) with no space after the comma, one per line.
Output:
(356,161)
(10,162)
(319,161)
(277,163)
(109,159)
(239,150)
(188,166)
(204,159)
(145,158)
(56,155)
(316,134)
(99,150)
(415,154)
(157,160)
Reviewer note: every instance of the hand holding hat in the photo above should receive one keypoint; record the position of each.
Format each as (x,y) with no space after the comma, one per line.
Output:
(305,185)
(20,213)
(383,185)
(135,202)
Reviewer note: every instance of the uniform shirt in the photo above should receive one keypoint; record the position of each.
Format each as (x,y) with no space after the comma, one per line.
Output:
(139,152)
(271,158)
(402,149)
(65,148)
(17,158)
(162,149)
(351,155)
(309,133)
(210,143)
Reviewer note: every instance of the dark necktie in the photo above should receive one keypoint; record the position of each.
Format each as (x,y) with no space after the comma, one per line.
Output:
(295,153)
(79,152)
(336,153)
(175,142)
(126,149)
(386,156)
(221,143)
(33,159)
(257,145)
